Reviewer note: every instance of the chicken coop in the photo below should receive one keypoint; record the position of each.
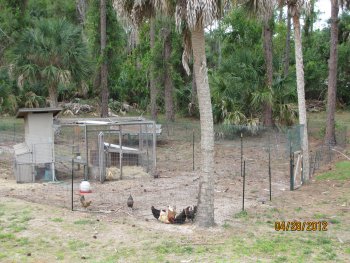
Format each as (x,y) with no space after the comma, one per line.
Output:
(34,158)
(105,149)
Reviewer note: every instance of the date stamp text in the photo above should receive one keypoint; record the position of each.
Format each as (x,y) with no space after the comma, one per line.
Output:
(301,226)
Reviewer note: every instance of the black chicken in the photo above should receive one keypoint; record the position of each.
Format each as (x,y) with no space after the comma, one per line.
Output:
(156,212)
(130,202)
(166,216)
(191,212)
(180,218)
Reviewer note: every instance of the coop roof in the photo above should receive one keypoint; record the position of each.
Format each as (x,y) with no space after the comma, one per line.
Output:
(25,111)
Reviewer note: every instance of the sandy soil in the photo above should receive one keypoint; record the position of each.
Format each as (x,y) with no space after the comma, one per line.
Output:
(177,183)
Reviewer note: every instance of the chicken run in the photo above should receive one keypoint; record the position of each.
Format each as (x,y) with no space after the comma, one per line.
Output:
(174,183)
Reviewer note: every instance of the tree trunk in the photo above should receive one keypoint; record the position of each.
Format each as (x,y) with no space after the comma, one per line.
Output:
(308,26)
(301,97)
(81,10)
(205,215)
(168,81)
(153,84)
(287,50)
(218,41)
(104,72)
(53,96)
(193,104)
(267,107)
(332,75)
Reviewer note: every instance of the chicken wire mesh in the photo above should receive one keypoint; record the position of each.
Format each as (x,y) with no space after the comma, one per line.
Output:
(106,152)
(79,150)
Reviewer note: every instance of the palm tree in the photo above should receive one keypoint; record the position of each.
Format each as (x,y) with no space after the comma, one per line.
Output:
(168,80)
(295,8)
(104,68)
(191,17)
(332,73)
(263,10)
(152,77)
(197,14)
(51,53)
(287,50)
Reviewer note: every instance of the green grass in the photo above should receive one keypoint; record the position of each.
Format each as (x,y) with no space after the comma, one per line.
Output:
(242,214)
(57,219)
(334,221)
(320,216)
(75,245)
(84,222)
(226,225)
(7,236)
(341,172)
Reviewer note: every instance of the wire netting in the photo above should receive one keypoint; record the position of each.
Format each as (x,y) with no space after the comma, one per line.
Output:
(80,149)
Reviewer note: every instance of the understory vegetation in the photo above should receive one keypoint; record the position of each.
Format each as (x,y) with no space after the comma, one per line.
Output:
(38,60)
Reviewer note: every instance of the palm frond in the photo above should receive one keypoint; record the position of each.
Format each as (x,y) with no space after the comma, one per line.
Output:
(262,9)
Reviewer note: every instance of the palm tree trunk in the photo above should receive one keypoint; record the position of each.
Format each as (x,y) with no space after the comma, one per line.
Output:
(153,84)
(332,75)
(53,96)
(287,50)
(81,7)
(301,96)
(308,26)
(280,14)
(104,69)
(193,104)
(168,81)
(205,215)
(267,37)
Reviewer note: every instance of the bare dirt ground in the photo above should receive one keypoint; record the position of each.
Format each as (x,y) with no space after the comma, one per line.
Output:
(178,185)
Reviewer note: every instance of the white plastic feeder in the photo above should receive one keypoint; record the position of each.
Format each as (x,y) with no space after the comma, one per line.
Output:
(85,187)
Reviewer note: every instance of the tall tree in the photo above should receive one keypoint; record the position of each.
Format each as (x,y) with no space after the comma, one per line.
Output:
(191,17)
(81,7)
(193,104)
(268,54)
(332,72)
(168,81)
(295,8)
(332,75)
(104,69)
(309,19)
(52,53)
(287,49)
(264,11)
(153,82)
(196,14)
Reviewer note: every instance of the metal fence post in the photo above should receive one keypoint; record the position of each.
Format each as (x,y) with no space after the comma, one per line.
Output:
(291,168)
(72,184)
(193,150)
(243,186)
(270,170)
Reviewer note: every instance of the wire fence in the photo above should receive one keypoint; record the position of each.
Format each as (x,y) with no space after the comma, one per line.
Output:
(80,151)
